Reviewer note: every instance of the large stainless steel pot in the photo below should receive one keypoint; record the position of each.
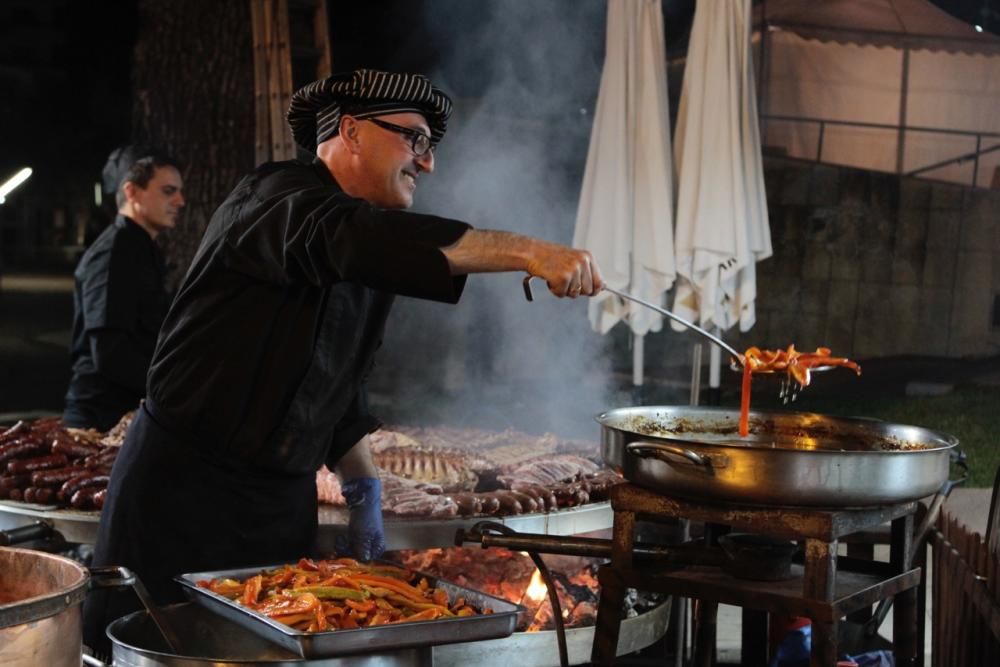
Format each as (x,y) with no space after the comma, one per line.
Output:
(210,640)
(217,642)
(789,458)
(40,606)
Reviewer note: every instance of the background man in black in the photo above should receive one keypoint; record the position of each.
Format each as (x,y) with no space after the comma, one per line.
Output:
(119,300)
(259,375)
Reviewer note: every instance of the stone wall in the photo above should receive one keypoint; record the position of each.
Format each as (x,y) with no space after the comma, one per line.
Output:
(876,265)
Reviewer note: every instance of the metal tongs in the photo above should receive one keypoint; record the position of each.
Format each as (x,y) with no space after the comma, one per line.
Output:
(737,357)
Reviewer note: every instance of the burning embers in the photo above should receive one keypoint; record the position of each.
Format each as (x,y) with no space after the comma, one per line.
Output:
(512,576)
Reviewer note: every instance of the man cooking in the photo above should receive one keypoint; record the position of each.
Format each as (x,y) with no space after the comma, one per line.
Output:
(259,375)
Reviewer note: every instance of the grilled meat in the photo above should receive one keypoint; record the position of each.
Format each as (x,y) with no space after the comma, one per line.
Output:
(451,470)
(405,497)
(546,471)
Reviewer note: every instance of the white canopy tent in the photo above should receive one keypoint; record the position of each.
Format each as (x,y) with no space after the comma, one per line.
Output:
(886,85)
(625,217)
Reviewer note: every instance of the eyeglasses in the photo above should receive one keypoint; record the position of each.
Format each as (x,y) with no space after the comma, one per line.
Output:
(420,143)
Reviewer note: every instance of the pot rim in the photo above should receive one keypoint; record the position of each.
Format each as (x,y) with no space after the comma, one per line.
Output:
(939,441)
(49,604)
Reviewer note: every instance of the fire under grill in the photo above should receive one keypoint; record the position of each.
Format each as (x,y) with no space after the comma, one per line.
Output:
(513,576)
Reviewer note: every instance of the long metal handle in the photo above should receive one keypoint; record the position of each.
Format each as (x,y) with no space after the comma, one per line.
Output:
(662,311)
(116,576)
(680,320)
(666,453)
(589,547)
(40,530)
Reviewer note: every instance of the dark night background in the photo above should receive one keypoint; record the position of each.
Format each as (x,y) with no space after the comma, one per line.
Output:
(66,102)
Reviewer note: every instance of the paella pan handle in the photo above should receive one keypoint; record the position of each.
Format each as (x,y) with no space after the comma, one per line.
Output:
(670,453)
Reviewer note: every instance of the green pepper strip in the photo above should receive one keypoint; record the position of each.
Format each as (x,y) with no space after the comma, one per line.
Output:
(330,592)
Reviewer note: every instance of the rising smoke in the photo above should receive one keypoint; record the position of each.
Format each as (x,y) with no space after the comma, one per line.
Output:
(525,77)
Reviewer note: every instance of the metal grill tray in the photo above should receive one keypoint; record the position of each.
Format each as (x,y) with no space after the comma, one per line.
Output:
(500,623)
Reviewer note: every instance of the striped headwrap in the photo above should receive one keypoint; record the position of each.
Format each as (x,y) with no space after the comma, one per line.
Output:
(315,111)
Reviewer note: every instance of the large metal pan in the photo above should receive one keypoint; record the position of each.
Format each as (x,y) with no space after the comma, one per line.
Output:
(789,458)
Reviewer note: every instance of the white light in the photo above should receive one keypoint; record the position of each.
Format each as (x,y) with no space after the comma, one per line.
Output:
(98,195)
(13,182)
(978,28)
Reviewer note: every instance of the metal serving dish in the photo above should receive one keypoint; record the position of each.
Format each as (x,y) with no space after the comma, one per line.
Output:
(789,458)
(500,623)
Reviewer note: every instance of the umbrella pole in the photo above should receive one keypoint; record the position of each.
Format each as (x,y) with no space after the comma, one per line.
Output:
(638,358)
(714,375)
(695,374)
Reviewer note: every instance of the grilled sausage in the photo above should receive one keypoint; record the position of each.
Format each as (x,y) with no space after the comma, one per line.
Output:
(16,494)
(507,503)
(544,497)
(72,448)
(82,481)
(23,447)
(19,466)
(56,476)
(528,504)
(8,482)
(44,496)
(34,494)
(99,498)
(488,504)
(104,457)
(83,499)
(468,503)
(14,432)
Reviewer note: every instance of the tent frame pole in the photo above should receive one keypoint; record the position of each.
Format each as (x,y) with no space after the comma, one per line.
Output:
(904,91)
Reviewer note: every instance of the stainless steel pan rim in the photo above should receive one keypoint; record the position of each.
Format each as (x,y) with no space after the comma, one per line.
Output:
(789,459)
(724,422)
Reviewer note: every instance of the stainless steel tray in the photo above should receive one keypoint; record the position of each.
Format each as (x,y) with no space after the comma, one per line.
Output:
(500,623)
(74,525)
(420,533)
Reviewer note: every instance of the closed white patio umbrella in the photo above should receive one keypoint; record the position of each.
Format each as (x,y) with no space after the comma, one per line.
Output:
(625,216)
(722,227)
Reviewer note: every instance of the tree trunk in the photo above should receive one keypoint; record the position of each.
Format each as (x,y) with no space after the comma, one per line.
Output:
(194,97)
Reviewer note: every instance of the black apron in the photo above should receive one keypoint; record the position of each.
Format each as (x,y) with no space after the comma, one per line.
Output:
(171,510)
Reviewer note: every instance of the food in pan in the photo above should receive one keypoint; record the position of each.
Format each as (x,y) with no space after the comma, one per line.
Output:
(796,364)
(318,596)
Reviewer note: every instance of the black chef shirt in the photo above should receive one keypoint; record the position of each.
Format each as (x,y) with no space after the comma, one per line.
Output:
(262,360)
(119,301)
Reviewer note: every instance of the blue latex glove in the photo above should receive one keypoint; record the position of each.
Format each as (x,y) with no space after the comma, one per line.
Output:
(365,535)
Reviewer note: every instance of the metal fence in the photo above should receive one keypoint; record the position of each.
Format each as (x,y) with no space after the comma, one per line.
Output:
(986,143)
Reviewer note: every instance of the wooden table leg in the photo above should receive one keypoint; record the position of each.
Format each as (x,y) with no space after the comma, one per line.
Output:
(609,616)
(753,638)
(705,632)
(824,645)
(609,608)
(904,614)
(819,579)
